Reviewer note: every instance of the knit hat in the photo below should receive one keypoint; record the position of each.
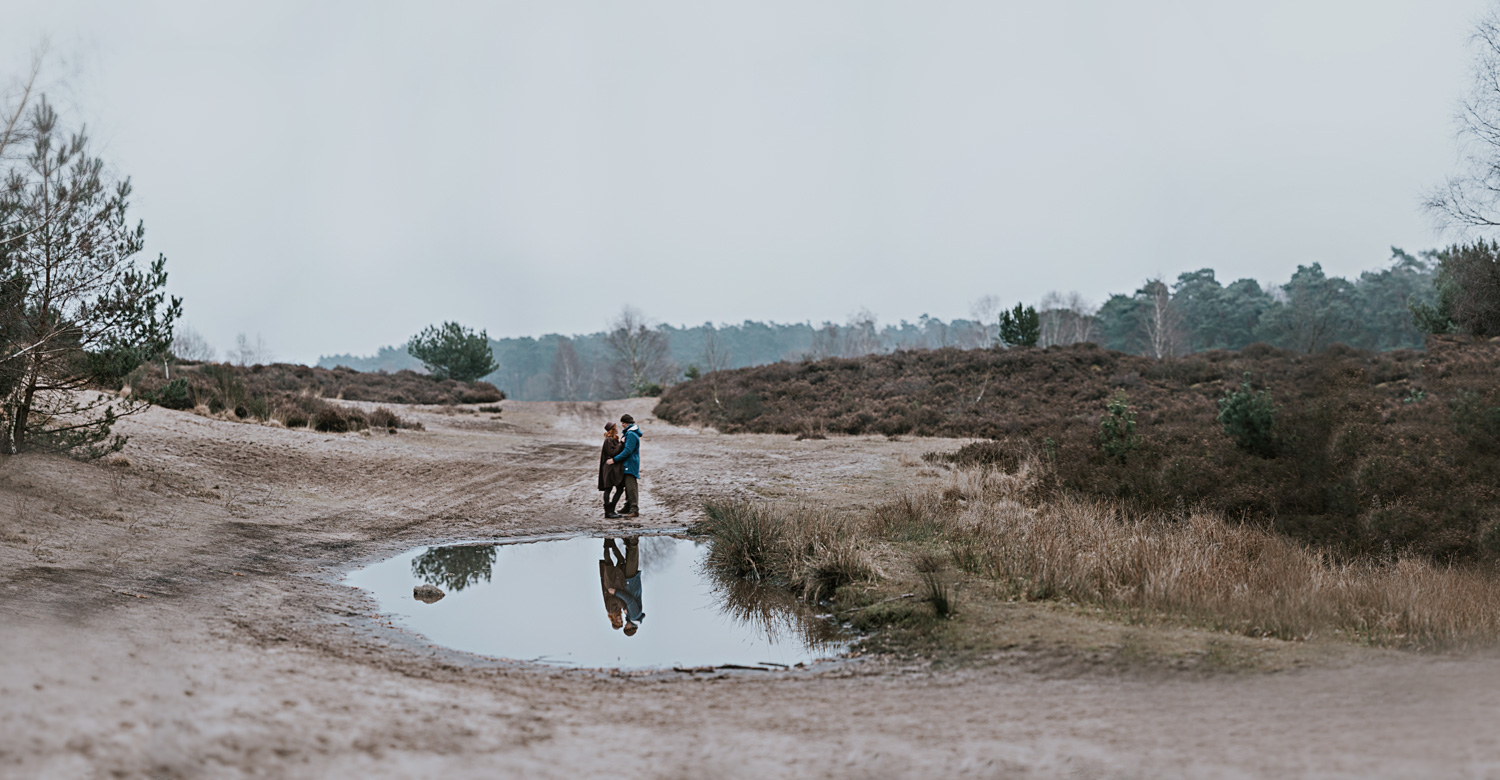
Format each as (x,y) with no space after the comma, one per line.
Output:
(627,419)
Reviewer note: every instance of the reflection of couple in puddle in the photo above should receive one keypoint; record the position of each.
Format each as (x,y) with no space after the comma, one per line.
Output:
(620,580)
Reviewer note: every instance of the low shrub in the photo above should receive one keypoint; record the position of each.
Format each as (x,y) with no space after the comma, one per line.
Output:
(175,394)
(1249,419)
(355,419)
(383,418)
(294,395)
(234,386)
(1476,420)
(979,453)
(259,407)
(329,419)
(1117,436)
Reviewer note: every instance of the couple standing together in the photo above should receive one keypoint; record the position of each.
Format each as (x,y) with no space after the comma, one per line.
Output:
(620,468)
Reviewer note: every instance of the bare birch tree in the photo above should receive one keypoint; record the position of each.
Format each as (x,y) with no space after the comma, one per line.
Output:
(641,352)
(1081,318)
(567,371)
(189,344)
(1160,319)
(827,342)
(862,336)
(250,353)
(1066,319)
(986,312)
(16,102)
(715,359)
(1050,307)
(1471,198)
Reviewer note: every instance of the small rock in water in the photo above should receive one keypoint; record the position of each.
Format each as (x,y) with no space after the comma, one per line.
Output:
(427,593)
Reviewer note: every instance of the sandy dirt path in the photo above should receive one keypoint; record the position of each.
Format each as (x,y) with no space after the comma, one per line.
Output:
(181,616)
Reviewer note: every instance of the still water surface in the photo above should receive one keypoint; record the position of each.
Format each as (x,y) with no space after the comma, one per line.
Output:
(547,602)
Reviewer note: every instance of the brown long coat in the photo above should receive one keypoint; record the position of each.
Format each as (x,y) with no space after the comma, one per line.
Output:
(611,476)
(612,576)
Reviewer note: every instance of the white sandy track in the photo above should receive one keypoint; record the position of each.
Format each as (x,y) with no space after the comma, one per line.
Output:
(246,658)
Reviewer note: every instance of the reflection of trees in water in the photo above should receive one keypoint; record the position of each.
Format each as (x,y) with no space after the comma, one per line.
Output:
(656,552)
(773,611)
(455,568)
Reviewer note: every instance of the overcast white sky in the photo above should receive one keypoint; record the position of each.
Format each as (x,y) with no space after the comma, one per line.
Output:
(337,175)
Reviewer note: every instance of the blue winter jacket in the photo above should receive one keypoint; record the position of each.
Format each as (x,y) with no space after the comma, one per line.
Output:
(630,457)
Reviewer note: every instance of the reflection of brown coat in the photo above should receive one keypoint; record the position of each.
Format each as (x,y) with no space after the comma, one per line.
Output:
(612,576)
(611,476)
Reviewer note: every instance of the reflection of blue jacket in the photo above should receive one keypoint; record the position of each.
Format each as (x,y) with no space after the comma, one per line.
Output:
(631,455)
(631,595)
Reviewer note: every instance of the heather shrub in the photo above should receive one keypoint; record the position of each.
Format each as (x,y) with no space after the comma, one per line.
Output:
(235,385)
(979,453)
(1373,451)
(1476,420)
(329,419)
(355,419)
(383,418)
(745,407)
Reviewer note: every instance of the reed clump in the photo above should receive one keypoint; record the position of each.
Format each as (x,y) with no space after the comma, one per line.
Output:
(810,550)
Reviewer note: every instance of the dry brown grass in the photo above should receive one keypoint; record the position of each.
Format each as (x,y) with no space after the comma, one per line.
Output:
(1194,566)
(1187,568)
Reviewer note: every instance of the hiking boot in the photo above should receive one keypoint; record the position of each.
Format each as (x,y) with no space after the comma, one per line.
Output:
(633,513)
(612,516)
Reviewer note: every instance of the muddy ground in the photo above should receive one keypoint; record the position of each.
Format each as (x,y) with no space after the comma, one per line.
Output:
(177,613)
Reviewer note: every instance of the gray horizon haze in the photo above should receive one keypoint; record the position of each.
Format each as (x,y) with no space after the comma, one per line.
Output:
(336,176)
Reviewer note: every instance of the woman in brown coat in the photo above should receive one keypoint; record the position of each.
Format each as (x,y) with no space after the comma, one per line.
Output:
(611,475)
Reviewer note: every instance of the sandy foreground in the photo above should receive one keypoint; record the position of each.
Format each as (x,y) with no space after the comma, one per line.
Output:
(181,616)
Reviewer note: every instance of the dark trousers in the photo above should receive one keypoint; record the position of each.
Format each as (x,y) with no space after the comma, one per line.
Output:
(612,497)
(632,495)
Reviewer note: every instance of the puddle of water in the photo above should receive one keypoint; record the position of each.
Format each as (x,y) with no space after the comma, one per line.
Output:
(546,602)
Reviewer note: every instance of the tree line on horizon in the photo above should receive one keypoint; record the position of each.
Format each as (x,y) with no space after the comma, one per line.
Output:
(1194,313)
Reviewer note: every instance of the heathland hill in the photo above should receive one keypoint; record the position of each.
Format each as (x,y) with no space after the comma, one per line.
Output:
(1371,451)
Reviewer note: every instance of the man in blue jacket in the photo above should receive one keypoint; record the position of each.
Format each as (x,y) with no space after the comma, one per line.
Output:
(630,457)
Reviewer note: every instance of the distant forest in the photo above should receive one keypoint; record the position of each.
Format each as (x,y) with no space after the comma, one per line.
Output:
(1196,312)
